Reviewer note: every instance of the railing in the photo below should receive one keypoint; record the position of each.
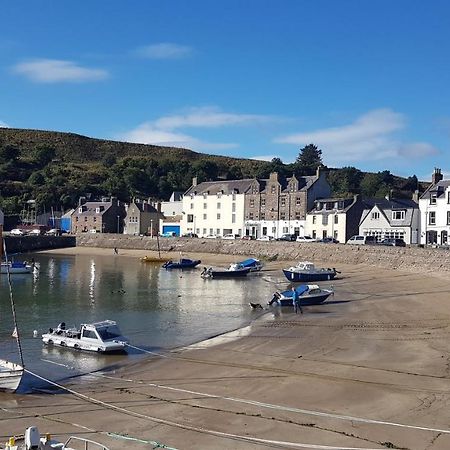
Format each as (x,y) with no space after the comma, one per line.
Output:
(88,444)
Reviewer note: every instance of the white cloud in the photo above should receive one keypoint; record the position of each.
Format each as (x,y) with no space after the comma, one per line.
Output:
(166,129)
(164,50)
(370,137)
(57,71)
(3,124)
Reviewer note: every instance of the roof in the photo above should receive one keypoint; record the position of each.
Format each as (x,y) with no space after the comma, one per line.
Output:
(348,203)
(225,187)
(304,183)
(144,207)
(89,208)
(386,206)
(438,189)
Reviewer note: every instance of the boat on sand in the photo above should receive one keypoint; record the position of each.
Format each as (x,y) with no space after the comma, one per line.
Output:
(305,271)
(308,294)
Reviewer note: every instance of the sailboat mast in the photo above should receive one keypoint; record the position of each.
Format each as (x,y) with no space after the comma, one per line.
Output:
(13,306)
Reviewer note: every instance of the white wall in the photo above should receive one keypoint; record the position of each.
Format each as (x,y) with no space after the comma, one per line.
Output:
(231,218)
(170,209)
(332,229)
(440,209)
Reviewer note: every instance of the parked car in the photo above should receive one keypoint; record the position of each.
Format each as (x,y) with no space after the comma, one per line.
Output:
(190,235)
(248,237)
(35,232)
(211,236)
(168,234)
(287,237)
(265,238)
(328,240)
(54,232)
(229,236)
(394,242)
(362,240)
(16,232)
(305,239)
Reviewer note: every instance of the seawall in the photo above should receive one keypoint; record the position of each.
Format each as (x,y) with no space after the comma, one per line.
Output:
(409,258)
(23,244)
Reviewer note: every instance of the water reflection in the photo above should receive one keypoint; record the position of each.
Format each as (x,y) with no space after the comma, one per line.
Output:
(155,308)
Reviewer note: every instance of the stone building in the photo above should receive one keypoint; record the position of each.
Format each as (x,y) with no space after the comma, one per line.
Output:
(105,216)
(276,206)
(142,218)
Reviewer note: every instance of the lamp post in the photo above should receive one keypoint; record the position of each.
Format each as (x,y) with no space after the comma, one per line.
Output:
(151,228)
(118,224)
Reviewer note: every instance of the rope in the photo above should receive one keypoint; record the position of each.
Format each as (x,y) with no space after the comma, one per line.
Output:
(192,427)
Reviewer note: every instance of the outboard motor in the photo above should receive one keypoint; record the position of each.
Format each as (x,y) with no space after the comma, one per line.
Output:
(32,438)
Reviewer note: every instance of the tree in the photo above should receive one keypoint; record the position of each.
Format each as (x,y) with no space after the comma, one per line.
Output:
(8,153)
(345,181)
(308,160)
(42,155)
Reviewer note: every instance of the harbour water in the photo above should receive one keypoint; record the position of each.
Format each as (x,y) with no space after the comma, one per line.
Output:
(156,309)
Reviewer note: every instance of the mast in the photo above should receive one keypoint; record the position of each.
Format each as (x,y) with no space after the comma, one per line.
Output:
(157,242)
(13,306)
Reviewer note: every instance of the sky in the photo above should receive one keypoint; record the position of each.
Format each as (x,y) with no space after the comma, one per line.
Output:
(367,82)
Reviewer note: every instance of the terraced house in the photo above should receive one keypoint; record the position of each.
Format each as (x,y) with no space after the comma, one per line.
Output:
(276,205)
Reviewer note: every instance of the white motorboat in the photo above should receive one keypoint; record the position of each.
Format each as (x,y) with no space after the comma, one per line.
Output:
(33,440)
(11,372)
(102,337)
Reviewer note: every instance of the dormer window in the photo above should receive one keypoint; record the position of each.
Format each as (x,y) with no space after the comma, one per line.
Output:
(398,215)
(97,210)
(433,197)
(80,209)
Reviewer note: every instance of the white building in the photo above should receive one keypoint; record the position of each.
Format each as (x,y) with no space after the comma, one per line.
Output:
(172,214)
(214,208)
(334,217)
(391,218)
(434,207)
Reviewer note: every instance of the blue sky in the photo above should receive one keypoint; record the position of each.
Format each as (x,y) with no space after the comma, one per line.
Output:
(368,82)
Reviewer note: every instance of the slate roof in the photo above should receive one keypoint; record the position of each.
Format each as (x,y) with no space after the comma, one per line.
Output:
(387,206)
(438,189)
(348,203)
(225,186)
(144,207)
(89,208)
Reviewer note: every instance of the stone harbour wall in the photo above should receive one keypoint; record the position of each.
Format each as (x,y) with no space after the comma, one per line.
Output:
(404,258)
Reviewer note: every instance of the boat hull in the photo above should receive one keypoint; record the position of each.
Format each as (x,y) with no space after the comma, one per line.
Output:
(19,268)
(230,273)
(191,264)
(304,277)
(78,344)
(306,300)
(10,376)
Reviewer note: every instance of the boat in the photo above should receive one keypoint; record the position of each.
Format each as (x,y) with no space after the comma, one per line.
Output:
(16,267)
(305,271)
(183,263)
(254,264)
(235,270)
(33,440)
(308,294)
(102,337)
(11,372)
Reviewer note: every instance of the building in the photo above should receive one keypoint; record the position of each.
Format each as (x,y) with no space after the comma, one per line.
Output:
(334,217)
(215,208)
(141,218)
(105,216)
(434,207)
(276,206)
(172,215)
(66,221)
(391,218)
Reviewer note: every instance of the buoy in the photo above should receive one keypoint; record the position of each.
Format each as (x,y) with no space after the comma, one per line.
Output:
(35,333)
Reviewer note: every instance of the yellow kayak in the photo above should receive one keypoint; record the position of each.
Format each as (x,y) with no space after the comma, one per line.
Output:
(154,259)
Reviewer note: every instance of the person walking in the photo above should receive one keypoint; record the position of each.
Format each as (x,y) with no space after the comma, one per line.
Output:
(296,301)
(115,251)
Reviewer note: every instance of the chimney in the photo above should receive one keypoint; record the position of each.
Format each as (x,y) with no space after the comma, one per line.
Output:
(437,176)
(273,176)
(415,196)
(194,181)
(81,201)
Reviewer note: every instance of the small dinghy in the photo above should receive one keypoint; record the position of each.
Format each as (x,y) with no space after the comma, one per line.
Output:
(305,271)
(102,337)
(308,294)
(16,267)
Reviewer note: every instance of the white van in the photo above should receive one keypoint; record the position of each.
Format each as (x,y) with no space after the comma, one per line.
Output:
(362,240)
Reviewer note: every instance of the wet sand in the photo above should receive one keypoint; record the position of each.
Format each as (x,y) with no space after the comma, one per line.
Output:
(368,369)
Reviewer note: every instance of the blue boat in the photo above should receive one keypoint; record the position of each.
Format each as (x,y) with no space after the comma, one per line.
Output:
(308,294)
(255,265)
(234,271)
(305,271)
(183,263)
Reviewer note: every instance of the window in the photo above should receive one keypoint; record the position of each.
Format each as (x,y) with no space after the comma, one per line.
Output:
(336,218)
(95,219)
(89,334)
(264,231)
(192,206)
(375,215)
(314,234)
(448,217)
(190,218)
(314,219)
(272,189)
(217,231)
(325,219)
(398,215)
(233,207)
(85,218)
(433,197)
(205,195)
(252,203)
(298,216)
(204,216)
(233,196)
(285,230)
(211,231)
(263,216)
(204,231)
(250,215)
(282,216)
(197,230)
(218,205)
(298,201)
(324,234)
(263,202)
(218,216)
(448,197)
(205,205)
(233,218)
(283,201)
(432,218)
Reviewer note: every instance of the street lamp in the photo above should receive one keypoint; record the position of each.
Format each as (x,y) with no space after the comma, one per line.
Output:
(151,228)
(118,224)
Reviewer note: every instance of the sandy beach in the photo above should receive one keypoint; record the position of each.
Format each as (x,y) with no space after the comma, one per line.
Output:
(369,369)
